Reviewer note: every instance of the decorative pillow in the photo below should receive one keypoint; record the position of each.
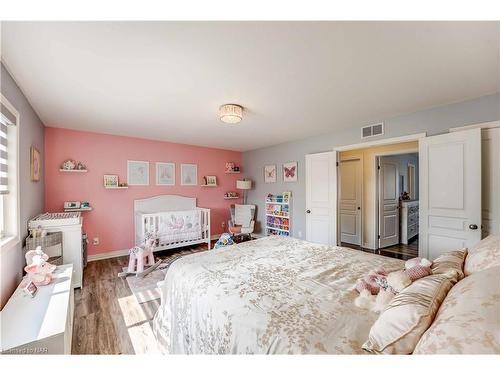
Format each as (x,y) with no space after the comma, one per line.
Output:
(400,326)
(451,264)
(469,319)
(485,254)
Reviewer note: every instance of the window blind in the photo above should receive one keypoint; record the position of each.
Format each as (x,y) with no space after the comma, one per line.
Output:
(6,119)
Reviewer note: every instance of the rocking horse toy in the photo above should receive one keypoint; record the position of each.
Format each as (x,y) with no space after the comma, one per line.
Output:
(141,257)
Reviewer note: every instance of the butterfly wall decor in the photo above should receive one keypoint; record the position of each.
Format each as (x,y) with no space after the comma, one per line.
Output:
(270,173)
(290,172)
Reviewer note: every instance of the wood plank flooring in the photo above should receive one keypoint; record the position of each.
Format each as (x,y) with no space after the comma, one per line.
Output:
(400,251)
(108,319)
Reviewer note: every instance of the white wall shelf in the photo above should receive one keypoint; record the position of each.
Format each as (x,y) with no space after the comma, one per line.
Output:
(228,198)
(74,170)
(209,185)
(233,172)
(115,187)
(78,209)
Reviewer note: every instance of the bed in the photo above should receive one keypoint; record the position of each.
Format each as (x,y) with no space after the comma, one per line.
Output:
(270,295)
(174,220)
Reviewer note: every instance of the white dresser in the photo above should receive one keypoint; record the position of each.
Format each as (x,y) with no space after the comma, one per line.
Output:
(409,221)
(42,324)
(70,224)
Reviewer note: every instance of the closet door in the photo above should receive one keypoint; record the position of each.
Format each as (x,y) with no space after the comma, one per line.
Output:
(388,200)
(450,192)
(321,193)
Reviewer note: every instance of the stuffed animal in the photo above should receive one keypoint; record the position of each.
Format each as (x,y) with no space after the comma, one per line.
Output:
(376,299)
(38,269)
(224,240)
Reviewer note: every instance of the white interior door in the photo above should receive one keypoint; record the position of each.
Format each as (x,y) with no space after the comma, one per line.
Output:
(490,163)
(321,198)
(450,192)
(351,179)
(388,201)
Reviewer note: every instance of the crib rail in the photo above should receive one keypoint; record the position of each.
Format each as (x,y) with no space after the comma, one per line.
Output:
(153,222)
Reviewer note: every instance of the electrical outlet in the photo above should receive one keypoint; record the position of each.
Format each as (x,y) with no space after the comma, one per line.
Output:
(95,241)
(299,233)
(223,225)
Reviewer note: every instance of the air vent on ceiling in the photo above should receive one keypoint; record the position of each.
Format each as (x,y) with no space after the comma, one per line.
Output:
(372,130)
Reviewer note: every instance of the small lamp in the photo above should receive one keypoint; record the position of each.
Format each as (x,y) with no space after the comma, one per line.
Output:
(244,185)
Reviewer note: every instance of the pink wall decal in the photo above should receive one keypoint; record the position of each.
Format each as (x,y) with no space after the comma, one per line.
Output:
(112,216)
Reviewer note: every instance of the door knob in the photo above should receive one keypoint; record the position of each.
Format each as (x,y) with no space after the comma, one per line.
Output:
(473,226)
(308,211)
(359,208)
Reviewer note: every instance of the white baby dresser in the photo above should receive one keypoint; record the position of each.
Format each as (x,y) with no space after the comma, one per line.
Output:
(70,224)
(42,324)
(409,220)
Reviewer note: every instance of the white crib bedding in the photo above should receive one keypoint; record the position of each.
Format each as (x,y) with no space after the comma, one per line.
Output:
(174,226)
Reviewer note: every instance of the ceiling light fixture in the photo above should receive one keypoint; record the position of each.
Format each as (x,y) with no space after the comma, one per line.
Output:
(231,113)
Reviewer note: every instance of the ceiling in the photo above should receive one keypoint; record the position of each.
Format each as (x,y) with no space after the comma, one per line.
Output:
(166,80)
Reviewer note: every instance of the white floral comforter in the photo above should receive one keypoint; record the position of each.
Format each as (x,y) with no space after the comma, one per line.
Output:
(271,295)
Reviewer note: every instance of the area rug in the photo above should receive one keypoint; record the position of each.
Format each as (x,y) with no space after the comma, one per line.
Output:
(145,288)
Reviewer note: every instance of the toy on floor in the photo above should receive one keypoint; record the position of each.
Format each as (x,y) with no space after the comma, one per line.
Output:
(140,257)
(38,269)
(224,240)
(378,288)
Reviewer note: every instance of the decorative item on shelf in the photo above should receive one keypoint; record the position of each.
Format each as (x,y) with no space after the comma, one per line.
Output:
(85,205)
(73,166)
(231,195)
(290,172)
(244,185)
(209,181)
(72,205)
(278,214)
(231,168)
(110,180)
(270,173)
(123,185)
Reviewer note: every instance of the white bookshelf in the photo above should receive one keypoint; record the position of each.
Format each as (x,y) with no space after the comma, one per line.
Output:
(279,214)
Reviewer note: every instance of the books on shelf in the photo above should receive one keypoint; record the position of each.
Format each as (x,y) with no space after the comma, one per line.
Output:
(278,214)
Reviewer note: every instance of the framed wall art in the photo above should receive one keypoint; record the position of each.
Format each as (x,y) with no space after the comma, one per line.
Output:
(137,172)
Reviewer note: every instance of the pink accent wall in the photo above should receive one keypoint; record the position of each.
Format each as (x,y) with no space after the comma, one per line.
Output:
(112,216)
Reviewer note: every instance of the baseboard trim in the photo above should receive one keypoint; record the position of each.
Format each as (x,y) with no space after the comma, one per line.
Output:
(107,255)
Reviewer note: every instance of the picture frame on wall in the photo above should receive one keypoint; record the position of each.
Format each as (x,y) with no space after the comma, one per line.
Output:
(189,174)
(137,173)
(35,164)
(110,180)
(165,174)
(290,172)
(270,173)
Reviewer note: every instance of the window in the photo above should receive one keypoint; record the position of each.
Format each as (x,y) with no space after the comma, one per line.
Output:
(9,192)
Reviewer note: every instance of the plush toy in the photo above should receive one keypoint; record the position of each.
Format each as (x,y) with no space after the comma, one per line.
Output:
(224,240)
(376,298)
(38,269)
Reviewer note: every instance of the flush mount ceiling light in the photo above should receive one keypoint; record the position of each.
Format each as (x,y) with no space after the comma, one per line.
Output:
(231,113)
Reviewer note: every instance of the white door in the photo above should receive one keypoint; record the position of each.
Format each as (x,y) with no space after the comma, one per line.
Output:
(490,181)
(388,202)
(450,192)
(350,201)
(321,201)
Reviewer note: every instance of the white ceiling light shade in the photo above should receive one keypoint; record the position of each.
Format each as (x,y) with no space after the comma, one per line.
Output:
(231,113)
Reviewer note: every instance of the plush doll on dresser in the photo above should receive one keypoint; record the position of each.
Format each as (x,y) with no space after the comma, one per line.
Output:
(38,269)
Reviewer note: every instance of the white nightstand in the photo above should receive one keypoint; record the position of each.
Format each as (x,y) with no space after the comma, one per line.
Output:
(42,324)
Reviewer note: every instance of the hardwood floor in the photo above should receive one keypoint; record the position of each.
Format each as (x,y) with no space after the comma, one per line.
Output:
(400,251)
(108,319)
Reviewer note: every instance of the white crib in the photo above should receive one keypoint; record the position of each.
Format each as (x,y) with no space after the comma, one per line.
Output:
(151,213)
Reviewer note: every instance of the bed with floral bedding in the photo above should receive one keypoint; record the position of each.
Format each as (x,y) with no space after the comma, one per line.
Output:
(271,295)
